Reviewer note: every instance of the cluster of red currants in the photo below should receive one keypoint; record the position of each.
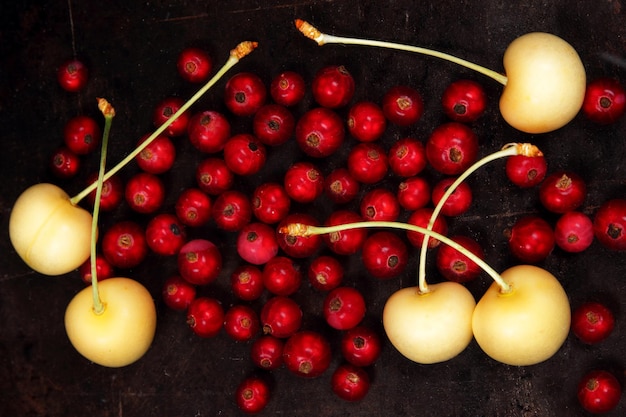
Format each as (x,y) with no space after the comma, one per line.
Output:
(275,332)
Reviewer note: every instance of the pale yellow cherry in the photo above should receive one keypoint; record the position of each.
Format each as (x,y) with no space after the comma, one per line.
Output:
(122,333)
(48,232)
(432,327)
(546,83)
(526,325)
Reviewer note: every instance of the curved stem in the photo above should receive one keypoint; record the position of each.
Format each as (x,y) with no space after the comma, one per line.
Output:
(236,54)
(322,38)
(109,113)
(507,150)
(299,229)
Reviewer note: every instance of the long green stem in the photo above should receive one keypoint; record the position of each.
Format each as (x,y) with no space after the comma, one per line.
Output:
(507,150)
(236,54)
(109,113)
(322,38)
(299,229)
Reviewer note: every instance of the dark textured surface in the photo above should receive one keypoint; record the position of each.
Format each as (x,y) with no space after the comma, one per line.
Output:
(131,48)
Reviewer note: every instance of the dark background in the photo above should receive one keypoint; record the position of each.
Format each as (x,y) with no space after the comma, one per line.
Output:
(131,49)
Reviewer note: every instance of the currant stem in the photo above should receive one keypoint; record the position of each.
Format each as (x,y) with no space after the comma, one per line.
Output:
(313,33)
(241,50)
(300,229)
(509,149)
(109,112)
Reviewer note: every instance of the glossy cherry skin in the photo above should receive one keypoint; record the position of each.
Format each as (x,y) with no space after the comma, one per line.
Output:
(366,121)
(193,207)
(288,88)
(158,157)
(73,75)
(208,131)
(526,171)
(573,232)
(244,154)
(340,186)
(299,246)
(407,157)
(144,193)
(244,94)
(414,193)
(252,395)
(605,101)
(307,354)
(213,176)
(304,182)
(532,239)
(273,124)
(350,383)
(421,217)
(256,243)
(333,86)
(452,148)
(165,234)
(592,322)
(344,308)
(124,244)
(599,391)
(270,202)
(281,317)
(246,282)
(609,224)
(384,255)
(458,202)
(194,65)
(199,262)
(205,316)
(562,191)
(380,204)
(320,132)
(64,163)
(232,210)
(177,293)
(112,192)
(166,109)
(104,269)
(241,322)
(453,265)
(464,101)
(403,105)
(267,352)
(347,242)
(82,135)
(367,163)
(281,276)
(325,273)
(361,346)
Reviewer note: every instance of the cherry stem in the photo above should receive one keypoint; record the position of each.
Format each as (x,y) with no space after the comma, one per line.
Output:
(109,112)
(313,33)
(509,149)
(240,51)
(301,229)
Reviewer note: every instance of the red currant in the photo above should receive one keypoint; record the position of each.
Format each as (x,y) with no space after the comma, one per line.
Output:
(73,75)
(287,88)
(82,135)
(194,65)
(333,86)
(208,131)
(165,234)
(244,94)
(145,193)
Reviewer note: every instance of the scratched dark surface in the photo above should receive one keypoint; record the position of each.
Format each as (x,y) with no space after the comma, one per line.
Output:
(131,48)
